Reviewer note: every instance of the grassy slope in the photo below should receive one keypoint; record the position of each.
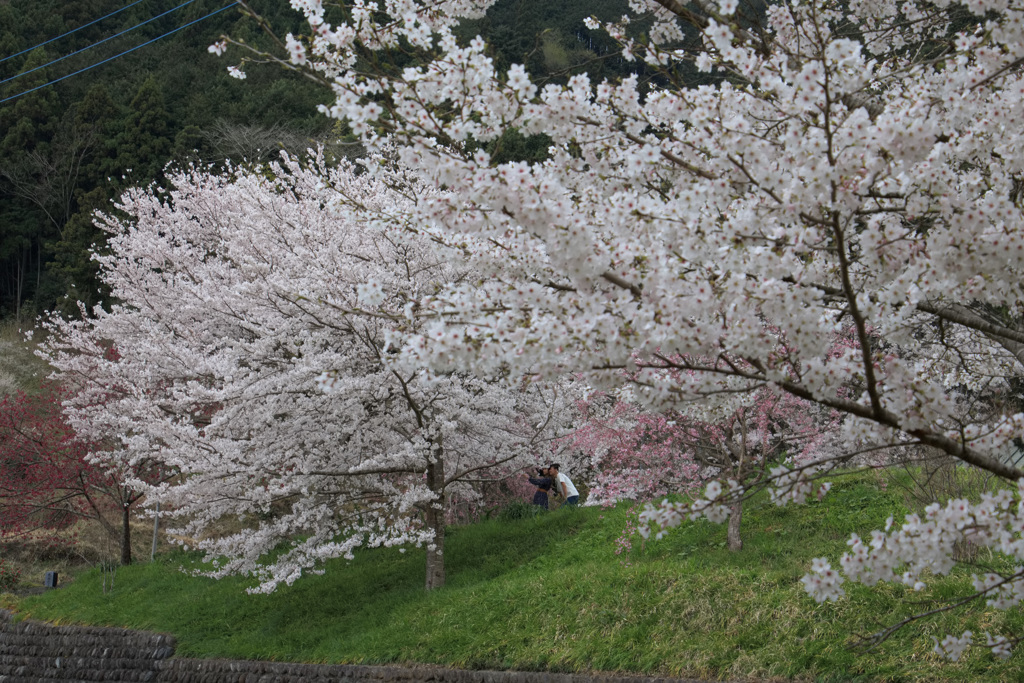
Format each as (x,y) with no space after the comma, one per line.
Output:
(551,593)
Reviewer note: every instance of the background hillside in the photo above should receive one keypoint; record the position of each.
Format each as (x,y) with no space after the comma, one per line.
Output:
(68,148)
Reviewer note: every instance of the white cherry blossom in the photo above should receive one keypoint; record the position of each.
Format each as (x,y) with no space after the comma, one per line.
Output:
(256,334)
(848,170)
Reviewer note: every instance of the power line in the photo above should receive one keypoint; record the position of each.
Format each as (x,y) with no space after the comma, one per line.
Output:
(100,42)
(57,80)
(70,32)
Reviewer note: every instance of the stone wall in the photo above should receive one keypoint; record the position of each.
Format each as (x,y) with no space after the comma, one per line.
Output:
(34,652)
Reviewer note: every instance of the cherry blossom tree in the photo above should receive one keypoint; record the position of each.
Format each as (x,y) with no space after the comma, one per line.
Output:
(842,164)
(630,453)
(641,455)
(256,326)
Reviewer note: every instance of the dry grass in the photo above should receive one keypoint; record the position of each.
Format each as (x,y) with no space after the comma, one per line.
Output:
(20,368)
(69,551)
(84,544)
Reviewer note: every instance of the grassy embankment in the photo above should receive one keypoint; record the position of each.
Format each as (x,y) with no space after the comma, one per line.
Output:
(550,593)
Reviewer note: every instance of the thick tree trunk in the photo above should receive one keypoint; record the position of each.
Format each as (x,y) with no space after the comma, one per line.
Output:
(735,541)
(435,552)
(435,522)
(126,536)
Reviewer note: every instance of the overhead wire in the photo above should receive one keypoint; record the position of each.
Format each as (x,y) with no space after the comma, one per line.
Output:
(46,42)
(121,54)
(99,42)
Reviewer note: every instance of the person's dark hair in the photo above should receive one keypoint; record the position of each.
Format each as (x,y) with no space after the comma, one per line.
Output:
(555,465)
(541,472)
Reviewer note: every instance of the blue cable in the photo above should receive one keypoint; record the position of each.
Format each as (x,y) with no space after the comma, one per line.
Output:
(70,32)
(56,80)
(59,59)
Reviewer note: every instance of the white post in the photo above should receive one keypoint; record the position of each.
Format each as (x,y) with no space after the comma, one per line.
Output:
(156,526)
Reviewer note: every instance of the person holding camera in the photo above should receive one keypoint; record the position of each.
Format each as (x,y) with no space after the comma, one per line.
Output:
(563,485)
(543,482)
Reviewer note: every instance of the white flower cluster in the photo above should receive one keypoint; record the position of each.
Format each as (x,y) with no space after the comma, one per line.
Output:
(952,647)
(296,50)
(824,582)
(797,485)
(923,546)
(999,644)
(712,505)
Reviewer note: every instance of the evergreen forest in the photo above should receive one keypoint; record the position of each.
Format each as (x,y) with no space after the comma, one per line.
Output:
(100,95)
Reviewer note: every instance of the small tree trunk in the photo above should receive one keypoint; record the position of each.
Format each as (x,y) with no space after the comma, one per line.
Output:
(736,516)
(740,459)
(126,536)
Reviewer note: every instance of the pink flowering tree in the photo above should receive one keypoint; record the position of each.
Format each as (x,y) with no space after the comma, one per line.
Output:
(629,453)
(642,455)
(746,440)
(49,479)
(844,164)
(258,325)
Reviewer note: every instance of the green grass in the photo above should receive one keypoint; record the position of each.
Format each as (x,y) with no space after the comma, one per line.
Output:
(550,593)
